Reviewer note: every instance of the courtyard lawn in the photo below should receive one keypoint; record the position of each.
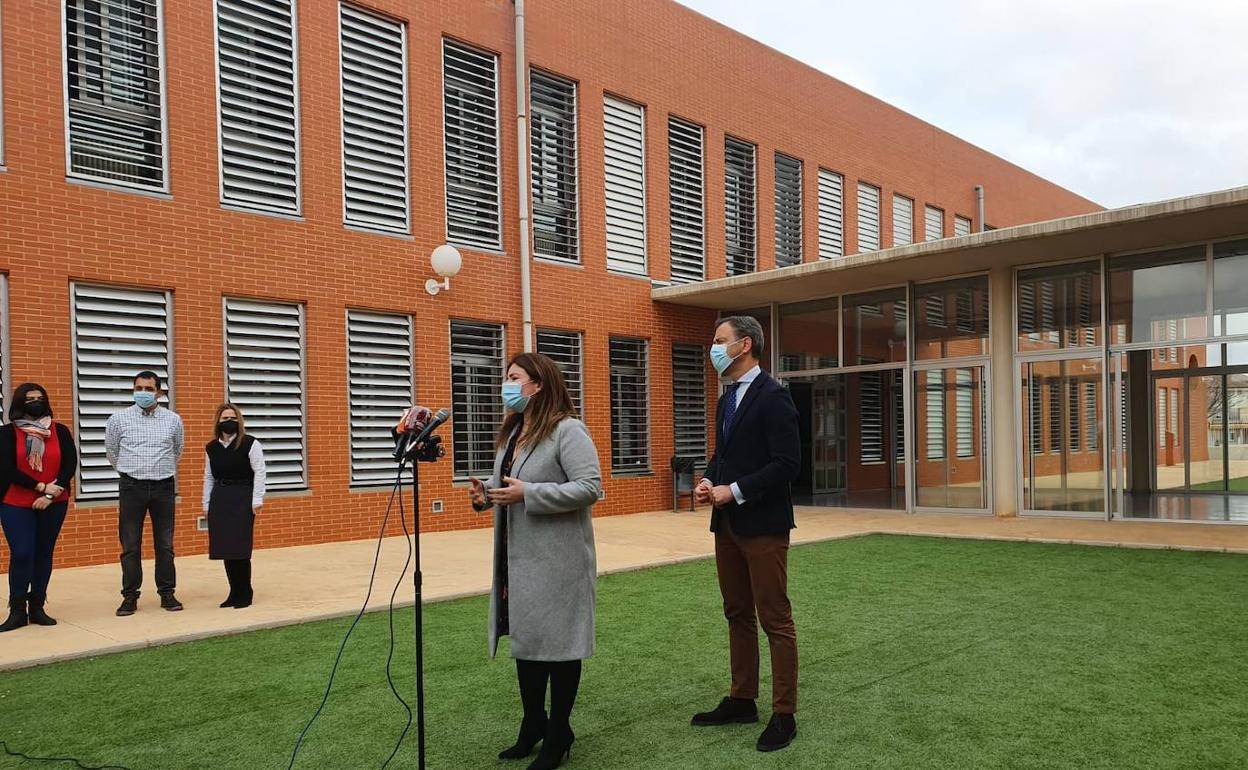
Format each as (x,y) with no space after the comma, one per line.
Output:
(915,653)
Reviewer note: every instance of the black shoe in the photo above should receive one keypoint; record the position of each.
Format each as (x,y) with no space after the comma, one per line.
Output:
(170,602)
(556,747)
(129,605)
(229,601)
(729,711)
(531,733)
(37,615)
(17,615)
(780,732)
(244,600)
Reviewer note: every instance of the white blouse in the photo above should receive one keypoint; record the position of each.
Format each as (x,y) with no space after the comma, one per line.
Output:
(256,456)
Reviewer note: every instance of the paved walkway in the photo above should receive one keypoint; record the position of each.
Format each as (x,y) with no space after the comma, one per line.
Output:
(296,585)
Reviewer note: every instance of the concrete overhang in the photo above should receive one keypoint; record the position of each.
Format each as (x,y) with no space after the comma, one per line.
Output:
(1151,225)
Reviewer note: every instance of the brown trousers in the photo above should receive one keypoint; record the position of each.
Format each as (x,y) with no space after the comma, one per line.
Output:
(754,580)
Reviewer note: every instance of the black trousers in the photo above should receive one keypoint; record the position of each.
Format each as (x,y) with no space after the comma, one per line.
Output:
(137,500)
(565,679)
(238,572)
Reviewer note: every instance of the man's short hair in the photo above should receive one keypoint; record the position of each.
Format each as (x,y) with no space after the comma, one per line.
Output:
(746,326)
(148,376)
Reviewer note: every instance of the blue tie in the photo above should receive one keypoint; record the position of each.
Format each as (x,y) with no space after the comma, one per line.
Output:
(730,407)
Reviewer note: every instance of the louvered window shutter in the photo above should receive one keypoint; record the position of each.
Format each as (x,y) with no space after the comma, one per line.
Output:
(374,121)
(903,220)
(624,176)
(788,211)
(264,375)
(868,217)
(477,409)
(630,406)
(687,200)
(934,223)
(564,348)
(471,135)
(831,215)
(689,401)
(258,105)
(380,387)
(114,86)
(739,210)
(552,128)
(117,333)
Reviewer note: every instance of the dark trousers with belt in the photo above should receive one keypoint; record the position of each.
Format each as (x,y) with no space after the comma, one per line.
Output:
(754,580)
(32,540)
(139,499)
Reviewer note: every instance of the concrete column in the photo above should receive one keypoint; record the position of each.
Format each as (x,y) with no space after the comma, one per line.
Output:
(1004,431)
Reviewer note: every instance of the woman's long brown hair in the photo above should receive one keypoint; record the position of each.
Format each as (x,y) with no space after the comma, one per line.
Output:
(547,407)
(242,426)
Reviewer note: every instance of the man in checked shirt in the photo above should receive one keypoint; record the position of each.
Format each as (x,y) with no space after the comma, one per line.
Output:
(144,443)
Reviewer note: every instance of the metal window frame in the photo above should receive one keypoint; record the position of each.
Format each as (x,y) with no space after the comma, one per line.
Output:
(730,140)
(502,376)
(497,245)
(927,208)
(170,380)
(411,340)
(702,161)
(800,192)
(970,225)
(162,63)
(828,174)
(298,116)
(303,372)
(406,230)
(879,215)
(643,194)
(696,353)
(910,202)
(645,344)
(579,402)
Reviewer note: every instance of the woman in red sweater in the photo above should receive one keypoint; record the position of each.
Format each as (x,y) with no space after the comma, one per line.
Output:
(37,463)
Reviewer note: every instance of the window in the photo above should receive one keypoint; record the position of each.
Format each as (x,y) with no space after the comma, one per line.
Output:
(966,412)
(470,129)
(933,223)
(373,71)
(936,415)
(552,139)
(258,105)
(689,401)
(961,225)
(872,438)
(114,89)
(868,217)
(624,174)
(564,348)
(380,386)
(934,310)
(1162,423)
(117,333)
(1055,414)
(686,200)
(630,406)
(739,210)
(1059,306)
(264,375)
(476,409)
(903,220)
(1093,418)
(1074,427)
(788,211)
(1035,399)
(831,215)
(898,416)
(1174,413)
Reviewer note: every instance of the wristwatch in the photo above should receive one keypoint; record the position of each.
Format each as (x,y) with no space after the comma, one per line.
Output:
(49,495)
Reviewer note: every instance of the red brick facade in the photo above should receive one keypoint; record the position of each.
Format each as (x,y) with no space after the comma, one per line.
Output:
(653,52)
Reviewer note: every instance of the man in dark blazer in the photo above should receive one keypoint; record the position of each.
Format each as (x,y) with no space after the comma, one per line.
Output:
(757,456)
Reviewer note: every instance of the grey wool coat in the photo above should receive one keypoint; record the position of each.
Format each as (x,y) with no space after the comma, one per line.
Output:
(552,569)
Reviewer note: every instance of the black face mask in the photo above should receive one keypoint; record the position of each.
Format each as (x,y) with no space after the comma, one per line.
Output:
(37,409)
(228,427)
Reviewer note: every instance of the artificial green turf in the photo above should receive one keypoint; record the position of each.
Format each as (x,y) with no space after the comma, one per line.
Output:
(1239,484)
(915,653)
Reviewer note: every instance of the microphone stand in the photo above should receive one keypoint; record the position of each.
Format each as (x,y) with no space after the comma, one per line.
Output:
(428,451)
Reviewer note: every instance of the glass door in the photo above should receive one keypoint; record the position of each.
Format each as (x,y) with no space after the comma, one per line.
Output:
(828,436)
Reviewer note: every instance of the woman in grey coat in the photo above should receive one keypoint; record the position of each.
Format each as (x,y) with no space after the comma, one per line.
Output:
(545,482)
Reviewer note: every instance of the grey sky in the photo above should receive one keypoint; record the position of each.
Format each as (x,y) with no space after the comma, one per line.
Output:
(1122,102)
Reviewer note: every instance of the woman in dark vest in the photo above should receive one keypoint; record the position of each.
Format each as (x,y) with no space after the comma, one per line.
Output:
(233,493)
(37,463)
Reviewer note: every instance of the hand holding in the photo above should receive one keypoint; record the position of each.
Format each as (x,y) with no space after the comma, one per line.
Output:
(41,503)
(702,492)
(510,493)
(722,495)
(54,489)
(477,492)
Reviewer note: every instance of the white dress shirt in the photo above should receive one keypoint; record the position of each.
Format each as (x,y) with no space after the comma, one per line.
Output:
(256,456)
(743,384)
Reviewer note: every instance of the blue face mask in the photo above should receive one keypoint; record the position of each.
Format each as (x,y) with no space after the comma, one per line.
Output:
(144,399)
(720,358)
(513,399)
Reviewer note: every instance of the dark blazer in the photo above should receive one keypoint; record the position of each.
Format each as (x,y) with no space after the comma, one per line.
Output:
(762,455)
(11,474)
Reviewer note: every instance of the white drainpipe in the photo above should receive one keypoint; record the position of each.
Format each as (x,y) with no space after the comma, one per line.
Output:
(979,205)
(522,149)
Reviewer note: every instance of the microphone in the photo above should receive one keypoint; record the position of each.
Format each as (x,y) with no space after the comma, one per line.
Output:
(442,416)
(414,420)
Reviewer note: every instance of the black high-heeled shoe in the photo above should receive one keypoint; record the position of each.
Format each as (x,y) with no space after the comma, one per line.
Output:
(555,749)
(531,734)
